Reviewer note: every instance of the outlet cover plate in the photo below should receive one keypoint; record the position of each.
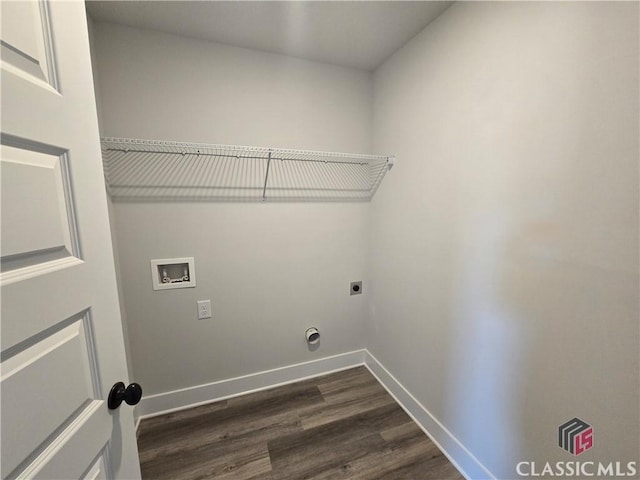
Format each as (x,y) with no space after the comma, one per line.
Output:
(204,309)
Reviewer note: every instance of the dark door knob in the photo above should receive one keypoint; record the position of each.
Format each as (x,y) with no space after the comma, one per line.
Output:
(131,394)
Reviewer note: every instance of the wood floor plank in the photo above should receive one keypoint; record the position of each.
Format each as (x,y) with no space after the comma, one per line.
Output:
(161,422)
(244,421)
(323,456)
(332,445)
(341,425)
(290,396)
(435,468)
(227,436)
(381,463)
(344,404)
(207,461)
(335,380)
(351,380)
(403,451)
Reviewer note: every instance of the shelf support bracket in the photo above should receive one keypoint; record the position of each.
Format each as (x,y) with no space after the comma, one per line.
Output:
(266,177)
(391,161)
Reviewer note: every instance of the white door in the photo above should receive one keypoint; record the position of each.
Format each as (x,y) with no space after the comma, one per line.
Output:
(61,337)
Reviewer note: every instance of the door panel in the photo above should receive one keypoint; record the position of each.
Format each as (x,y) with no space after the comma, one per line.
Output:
(26,39)
(64,457)
(35,207)
(62,344)
(96,472)
(65,354)
(51,280)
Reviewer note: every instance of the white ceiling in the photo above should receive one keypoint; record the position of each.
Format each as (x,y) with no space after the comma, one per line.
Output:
(360,34)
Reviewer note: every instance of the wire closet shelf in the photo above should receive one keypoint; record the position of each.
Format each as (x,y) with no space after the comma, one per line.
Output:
(153,170)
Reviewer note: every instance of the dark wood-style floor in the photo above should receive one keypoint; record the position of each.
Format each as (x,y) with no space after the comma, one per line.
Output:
(342,425)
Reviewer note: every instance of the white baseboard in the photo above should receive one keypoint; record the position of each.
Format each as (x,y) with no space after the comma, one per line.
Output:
(161,403)
(136,426)
(466,463)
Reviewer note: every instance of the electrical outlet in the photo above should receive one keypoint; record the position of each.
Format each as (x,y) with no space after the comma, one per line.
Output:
(204,309)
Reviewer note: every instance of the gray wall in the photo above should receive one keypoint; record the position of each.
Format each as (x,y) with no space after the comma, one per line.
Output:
(504,245)
(270,270)
(114,239)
